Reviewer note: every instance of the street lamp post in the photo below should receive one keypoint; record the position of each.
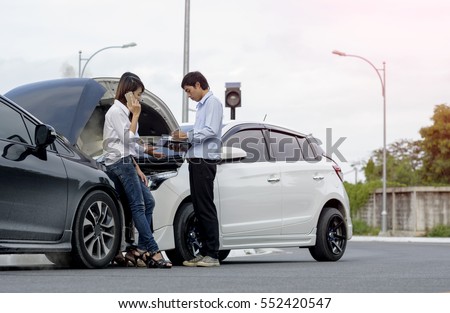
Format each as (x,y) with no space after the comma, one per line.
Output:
(383,92)
(185,106)
(81,71)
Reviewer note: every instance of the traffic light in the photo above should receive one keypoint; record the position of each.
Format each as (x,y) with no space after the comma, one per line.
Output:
(232,95)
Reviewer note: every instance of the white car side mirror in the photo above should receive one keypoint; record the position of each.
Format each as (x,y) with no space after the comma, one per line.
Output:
(232,153)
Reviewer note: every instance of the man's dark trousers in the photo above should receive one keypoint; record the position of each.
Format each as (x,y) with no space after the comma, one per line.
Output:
(202,173)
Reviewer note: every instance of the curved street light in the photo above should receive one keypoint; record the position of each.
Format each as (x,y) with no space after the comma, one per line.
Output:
(383,92)
(81,72)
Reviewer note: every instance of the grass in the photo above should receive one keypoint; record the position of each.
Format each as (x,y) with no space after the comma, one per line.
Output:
(439,231)
(361,228)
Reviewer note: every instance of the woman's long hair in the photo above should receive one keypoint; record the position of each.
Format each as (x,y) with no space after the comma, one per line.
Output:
(128,82)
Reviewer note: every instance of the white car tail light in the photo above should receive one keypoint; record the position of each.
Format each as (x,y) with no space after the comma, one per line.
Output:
(338,171)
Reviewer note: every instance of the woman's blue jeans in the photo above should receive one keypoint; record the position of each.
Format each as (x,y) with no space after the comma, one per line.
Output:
(140,200)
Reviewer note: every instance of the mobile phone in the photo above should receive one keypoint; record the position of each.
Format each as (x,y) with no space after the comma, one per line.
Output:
(129,96)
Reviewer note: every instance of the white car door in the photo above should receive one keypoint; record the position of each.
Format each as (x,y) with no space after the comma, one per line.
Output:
(249,191)
(301,182)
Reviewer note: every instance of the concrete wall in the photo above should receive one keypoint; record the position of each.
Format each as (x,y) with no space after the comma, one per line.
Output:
(410,210)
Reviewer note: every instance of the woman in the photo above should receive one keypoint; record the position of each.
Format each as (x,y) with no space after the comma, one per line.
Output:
(121,145)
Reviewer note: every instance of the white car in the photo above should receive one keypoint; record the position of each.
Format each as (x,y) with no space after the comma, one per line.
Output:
(274,187)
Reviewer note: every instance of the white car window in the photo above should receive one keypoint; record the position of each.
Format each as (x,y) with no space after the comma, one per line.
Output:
(285,147)
(251,141)
(308,151)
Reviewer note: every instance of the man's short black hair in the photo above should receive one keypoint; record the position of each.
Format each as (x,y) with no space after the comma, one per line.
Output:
(190,79)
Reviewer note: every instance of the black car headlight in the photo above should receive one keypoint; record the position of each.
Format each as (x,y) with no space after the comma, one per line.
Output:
(155,180)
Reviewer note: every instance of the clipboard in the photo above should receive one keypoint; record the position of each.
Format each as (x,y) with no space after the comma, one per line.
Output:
(167,142)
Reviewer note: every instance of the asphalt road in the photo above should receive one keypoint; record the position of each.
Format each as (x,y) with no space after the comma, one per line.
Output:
(367,266)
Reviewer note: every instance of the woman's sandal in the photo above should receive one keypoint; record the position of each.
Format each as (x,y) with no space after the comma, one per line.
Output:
(121,261)
(158,263)
(137,257)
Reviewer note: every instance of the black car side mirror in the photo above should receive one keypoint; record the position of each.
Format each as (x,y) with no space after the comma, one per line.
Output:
(44,135)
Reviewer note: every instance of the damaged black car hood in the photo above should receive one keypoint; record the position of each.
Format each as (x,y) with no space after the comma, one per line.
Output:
(66,104)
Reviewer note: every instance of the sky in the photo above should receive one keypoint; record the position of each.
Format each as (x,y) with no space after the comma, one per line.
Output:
(279,50)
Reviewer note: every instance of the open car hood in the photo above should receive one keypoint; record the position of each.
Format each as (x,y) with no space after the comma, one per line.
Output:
(75,107)
(66,104)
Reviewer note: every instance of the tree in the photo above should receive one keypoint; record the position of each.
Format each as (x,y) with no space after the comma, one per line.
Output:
(371,171)
(436,147)
(403,163)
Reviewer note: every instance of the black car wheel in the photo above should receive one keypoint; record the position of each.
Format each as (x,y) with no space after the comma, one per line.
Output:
(187,238)
(331,238)
(97,231)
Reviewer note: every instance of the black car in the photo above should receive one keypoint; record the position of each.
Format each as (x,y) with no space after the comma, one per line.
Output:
(55,198)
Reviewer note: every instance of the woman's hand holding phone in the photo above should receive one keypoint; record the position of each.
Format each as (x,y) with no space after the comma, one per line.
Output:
(133,104)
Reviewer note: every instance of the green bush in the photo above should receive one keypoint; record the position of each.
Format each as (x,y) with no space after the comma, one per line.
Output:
(360,228)
(439,231)
(359,194)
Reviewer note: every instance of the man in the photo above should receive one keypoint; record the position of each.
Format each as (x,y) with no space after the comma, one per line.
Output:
(203,155)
